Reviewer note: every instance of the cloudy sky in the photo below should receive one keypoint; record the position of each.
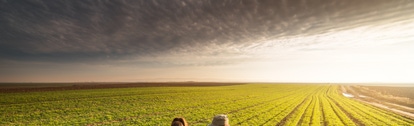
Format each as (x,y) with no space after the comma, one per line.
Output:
(207,40)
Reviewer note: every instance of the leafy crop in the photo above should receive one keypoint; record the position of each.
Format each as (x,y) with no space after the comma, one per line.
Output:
(251,104)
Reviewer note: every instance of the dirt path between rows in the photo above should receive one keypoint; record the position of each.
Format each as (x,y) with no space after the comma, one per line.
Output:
(383,106)
(389,108)
(355,120)
(283,121)
(404,113)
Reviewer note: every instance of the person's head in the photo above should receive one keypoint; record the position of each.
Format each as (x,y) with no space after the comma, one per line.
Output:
(220,120)
(179,122)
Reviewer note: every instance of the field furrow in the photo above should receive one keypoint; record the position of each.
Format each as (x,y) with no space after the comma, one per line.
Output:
(305,118)
(249,104)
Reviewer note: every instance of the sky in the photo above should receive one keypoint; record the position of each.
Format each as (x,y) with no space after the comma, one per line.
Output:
(332,41)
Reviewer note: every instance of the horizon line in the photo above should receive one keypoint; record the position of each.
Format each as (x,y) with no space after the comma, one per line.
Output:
(277,82)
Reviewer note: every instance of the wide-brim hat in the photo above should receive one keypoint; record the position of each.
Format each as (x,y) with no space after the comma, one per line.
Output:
(220,120)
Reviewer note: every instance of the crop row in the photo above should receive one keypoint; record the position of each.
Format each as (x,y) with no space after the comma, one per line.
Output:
(250,104)
(367,114)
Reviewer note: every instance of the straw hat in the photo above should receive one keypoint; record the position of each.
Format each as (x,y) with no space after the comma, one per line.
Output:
(220,120)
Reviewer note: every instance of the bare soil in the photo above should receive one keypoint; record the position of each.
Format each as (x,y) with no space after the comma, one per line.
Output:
(393,107)
(403,113)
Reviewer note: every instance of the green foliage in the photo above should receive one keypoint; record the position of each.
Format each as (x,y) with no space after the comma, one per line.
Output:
(252,104)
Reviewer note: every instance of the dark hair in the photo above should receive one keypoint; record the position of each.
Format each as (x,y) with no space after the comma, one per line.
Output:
(179,122)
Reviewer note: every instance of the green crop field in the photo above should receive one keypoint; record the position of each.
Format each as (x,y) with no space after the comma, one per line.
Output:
(250,104)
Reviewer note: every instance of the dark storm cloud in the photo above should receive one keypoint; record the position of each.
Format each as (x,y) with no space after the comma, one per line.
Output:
(82,30)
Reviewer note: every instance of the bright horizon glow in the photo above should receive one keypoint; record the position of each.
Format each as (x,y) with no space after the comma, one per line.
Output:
(351,43)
